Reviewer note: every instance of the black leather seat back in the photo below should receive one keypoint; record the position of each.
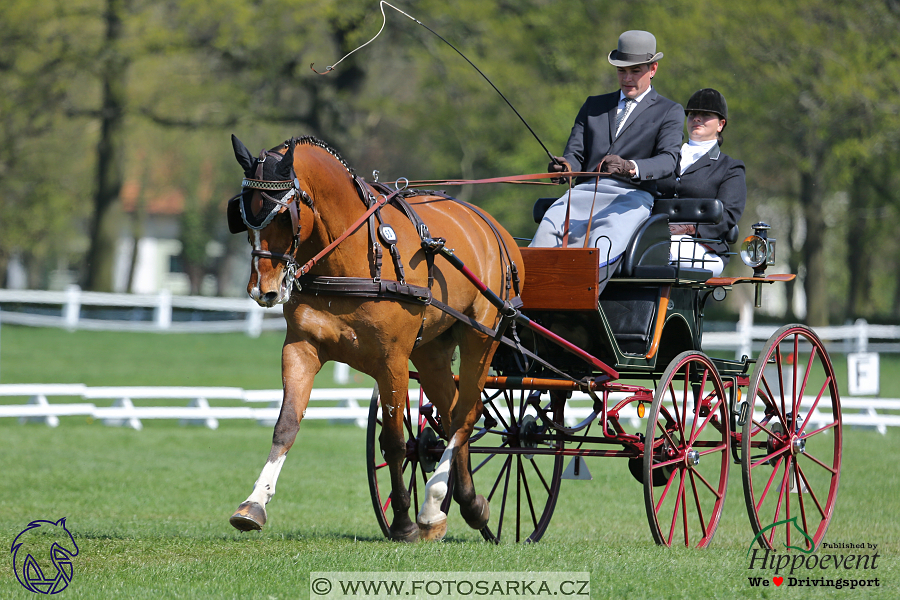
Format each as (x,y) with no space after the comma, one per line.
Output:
(707,211)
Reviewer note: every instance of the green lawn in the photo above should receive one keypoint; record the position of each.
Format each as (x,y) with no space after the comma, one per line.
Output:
(149,509)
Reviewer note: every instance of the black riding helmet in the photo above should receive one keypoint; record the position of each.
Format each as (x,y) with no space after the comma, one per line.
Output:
(708,100)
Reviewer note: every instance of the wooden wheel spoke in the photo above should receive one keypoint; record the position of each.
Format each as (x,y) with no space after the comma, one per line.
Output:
(771,402)
(764,428)
(489,458)
(505,466)
(678,497)
(528,495)
(821,429)
(665,433)
(769,483)
(697,500)
(781,495)
(675,410)
(773,455)
(674,461)
(809,364)
(540,475)
(665,491)
(712,412)
(809,488)
(684,397)
(800,484)
(831,470)
(508,468)
(697,405)
(812,409)
(719,448)
(706,483)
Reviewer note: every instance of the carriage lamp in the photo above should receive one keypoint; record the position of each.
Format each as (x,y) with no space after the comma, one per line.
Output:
(758,252)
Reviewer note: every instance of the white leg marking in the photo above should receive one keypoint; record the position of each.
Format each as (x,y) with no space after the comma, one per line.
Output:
(264,488)
(436,489)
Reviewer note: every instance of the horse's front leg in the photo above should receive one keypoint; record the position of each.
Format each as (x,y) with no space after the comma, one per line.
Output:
(299,366)
(392,386)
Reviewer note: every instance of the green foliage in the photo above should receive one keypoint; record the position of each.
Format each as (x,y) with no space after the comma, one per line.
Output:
(811,87)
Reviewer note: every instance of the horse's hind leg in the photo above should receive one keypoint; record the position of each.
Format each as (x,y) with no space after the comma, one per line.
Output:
(460,409)
(299,367)
(434,363)
(475,354)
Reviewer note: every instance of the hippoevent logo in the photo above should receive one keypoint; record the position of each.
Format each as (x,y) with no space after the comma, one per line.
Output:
(42,556)
(803,567)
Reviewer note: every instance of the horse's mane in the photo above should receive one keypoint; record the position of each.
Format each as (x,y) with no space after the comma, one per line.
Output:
(310,140)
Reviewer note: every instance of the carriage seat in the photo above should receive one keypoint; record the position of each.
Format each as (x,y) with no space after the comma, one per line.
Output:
(647,253)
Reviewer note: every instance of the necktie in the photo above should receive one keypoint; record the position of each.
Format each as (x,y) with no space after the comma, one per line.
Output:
(620,118)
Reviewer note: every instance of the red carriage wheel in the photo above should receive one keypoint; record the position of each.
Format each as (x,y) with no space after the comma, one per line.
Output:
(791,441)
(423,451)
(686,454)
(517,463)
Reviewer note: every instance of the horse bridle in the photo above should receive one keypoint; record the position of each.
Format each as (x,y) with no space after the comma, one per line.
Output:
(288,202)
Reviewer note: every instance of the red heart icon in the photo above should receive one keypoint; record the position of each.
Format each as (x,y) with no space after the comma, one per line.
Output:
(778,580)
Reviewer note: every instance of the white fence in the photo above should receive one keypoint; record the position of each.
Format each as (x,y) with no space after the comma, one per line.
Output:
(352,406)
(67,310)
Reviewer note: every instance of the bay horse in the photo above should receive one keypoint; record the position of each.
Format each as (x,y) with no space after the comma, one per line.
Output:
(297,200)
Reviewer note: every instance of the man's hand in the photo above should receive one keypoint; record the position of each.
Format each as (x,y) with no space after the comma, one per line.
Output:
(616,165)
(682,229)
(558,165)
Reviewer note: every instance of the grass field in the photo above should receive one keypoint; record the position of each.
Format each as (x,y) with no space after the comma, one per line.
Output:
(149,509)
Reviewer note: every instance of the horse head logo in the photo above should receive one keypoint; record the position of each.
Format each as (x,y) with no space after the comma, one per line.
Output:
(787,523)
(38,546)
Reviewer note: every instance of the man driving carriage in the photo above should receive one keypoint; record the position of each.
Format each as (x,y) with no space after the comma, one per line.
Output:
(632,138)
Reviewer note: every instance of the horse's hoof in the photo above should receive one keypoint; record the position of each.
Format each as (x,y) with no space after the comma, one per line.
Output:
(479,515)
(433,532)
(250,516)
(409,536)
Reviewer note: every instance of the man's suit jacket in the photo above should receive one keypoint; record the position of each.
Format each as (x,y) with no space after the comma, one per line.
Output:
(651,136)
(714,175)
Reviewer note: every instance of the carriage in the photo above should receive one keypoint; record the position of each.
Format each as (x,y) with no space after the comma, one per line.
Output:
(505,422)
(777,415)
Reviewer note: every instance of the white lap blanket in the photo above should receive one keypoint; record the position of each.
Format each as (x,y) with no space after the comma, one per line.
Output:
(618,210)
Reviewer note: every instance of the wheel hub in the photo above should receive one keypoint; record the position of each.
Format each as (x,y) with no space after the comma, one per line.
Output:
(691,458)
(798,445)
(428,446)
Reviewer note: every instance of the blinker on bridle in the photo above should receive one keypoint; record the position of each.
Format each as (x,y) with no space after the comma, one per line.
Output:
(288,202)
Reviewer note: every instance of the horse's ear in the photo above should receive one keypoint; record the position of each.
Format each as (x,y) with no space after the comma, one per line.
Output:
(285,166)
(243,156)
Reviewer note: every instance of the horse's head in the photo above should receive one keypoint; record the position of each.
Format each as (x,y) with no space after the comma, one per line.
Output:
(273,209)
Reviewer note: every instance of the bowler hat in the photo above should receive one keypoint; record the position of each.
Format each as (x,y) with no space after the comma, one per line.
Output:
(635,48)
(707,100)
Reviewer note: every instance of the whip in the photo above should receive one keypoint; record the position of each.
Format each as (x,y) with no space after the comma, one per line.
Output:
(382,4)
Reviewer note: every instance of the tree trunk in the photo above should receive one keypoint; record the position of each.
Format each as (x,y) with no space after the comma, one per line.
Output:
(814,250)
(859,253)
(106,220)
